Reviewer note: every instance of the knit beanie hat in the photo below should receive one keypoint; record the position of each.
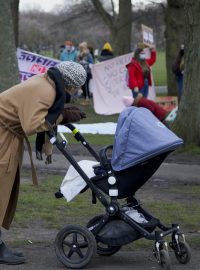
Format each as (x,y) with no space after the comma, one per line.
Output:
(73,74)
(107,46)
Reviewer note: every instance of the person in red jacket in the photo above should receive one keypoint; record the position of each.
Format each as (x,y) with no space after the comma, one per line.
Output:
(139,72)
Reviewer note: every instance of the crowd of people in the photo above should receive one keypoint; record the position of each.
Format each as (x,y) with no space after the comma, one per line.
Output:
(85,56)
(139,70)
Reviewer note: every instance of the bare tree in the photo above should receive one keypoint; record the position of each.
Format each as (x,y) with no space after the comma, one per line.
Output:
(120,24)
(9,74)
(174,34)
(187,124)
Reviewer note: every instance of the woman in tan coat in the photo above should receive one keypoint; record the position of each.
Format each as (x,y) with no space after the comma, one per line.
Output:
(27,108)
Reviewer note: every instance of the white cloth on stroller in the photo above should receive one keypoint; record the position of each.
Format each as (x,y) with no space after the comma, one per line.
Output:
(135,215)
(73,183)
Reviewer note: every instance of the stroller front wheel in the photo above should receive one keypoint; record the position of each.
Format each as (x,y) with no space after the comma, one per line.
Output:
(75,246)
(165,260)
(183,254)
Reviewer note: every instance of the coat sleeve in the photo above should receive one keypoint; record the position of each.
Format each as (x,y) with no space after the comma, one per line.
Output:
(132,82)
(152,60)
(36,99)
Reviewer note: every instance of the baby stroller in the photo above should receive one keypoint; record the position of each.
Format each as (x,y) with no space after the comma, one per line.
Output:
(141,144)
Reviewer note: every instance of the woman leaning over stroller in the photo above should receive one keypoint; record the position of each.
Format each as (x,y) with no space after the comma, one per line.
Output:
(139,72)
(27,108)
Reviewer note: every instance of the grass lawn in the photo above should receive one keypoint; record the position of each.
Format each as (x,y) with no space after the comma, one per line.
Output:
(159,70)
(38,204)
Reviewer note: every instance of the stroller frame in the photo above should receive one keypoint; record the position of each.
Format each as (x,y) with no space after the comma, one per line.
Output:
(114,210)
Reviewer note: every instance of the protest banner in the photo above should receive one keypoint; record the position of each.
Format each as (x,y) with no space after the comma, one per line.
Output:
(31,63)
(147,35)
(109,85)
(108,82)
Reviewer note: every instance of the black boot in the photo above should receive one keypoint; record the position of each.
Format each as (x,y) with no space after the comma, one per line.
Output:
(9,257)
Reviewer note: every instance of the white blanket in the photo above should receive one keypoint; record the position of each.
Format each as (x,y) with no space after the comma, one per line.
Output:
(73,183)
(98,128)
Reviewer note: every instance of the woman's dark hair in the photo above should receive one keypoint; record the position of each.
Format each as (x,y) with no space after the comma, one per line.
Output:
(137,52)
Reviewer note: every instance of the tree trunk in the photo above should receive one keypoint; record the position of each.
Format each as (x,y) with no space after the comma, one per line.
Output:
(121,34)
(9,74)
(187,124)
(175,35)
(119,25)
(15,17)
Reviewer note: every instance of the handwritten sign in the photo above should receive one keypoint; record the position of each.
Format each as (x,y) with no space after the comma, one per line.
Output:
(147,35)
(109,85)
(31,64)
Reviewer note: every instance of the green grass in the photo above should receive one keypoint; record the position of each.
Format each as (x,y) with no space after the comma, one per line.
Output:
(39,204)
(159,70)
(92,117)
(190,148)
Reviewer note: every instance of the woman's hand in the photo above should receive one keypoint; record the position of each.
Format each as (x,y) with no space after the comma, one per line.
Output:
(72,114)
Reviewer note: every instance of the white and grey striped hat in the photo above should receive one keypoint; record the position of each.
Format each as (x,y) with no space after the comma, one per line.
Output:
(73,74)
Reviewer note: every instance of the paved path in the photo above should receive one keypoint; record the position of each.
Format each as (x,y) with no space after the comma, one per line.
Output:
(42,257)
(161,89)
(182,172)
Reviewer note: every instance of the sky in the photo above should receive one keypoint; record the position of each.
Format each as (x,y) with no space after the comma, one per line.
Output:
(50,5)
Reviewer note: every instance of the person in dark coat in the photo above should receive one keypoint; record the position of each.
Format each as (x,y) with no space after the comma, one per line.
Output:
(106,53)
(178,70)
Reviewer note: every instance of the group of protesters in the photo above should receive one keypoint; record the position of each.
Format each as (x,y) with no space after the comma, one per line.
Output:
(85,56)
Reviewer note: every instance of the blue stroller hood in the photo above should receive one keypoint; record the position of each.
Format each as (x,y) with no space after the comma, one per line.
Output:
(140,136)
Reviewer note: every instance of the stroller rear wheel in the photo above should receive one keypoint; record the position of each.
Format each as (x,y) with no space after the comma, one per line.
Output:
(102,249)
(75,246)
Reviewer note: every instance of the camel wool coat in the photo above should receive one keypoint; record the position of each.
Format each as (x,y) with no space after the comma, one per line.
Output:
(23,109)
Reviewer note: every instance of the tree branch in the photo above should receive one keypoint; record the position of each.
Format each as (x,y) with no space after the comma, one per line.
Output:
(113,8)
(108,19)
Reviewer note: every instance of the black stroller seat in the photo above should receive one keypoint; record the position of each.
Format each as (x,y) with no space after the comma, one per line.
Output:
(128,180)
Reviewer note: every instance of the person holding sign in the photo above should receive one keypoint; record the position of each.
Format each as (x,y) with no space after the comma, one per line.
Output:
(139,72)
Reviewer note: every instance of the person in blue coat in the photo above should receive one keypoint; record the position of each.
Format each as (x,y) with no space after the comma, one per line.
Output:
(69,53)
(86,60)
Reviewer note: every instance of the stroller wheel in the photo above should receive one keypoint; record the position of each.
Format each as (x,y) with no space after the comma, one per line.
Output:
(165,259)
(102,249)
(183,255)
(75,246)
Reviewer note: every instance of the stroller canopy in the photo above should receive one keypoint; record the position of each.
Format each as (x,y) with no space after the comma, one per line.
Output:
(140,136)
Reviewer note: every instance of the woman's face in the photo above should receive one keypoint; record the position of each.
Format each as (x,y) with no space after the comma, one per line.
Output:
(142,56)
